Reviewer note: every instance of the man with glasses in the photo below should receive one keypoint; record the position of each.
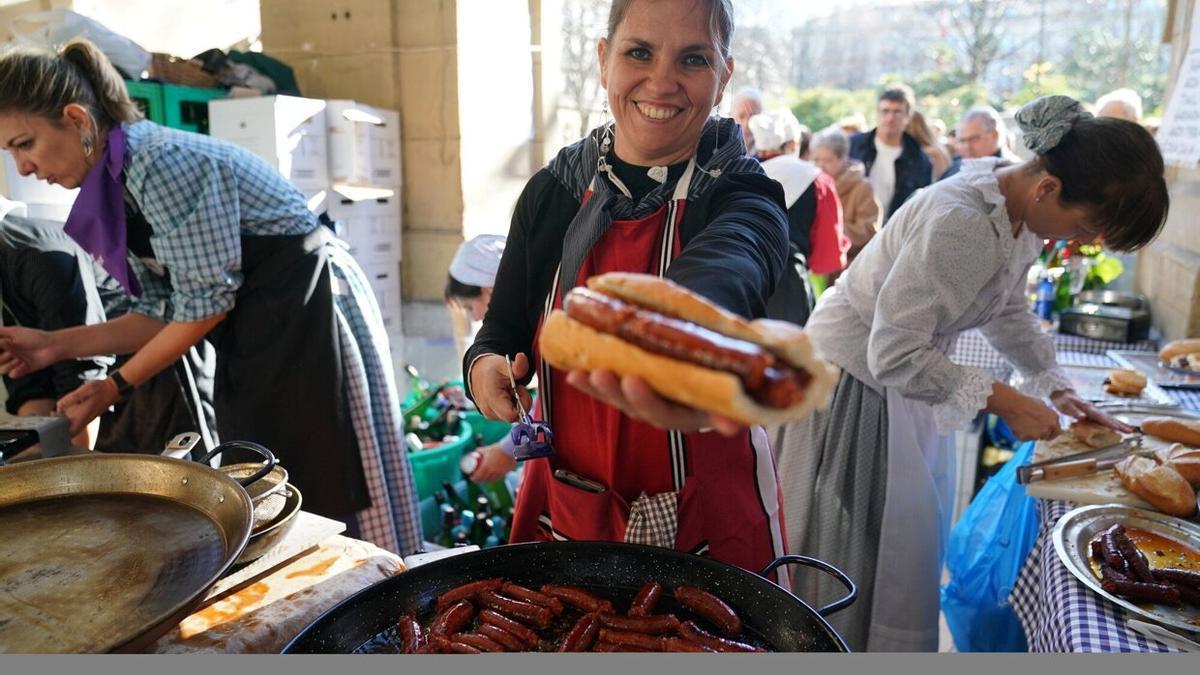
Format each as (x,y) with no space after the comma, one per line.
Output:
(895,163)
(980,134)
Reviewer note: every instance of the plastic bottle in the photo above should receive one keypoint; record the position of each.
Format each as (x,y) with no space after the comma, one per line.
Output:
(1045,298)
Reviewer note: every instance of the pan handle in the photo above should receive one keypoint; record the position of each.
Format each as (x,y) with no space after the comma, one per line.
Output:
(267,455)
(851,588)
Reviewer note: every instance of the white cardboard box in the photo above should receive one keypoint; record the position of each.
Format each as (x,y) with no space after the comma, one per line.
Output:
(371,227)
(364,144)
(286,131)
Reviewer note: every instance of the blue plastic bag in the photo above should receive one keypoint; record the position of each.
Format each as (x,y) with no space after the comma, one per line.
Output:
(985,553)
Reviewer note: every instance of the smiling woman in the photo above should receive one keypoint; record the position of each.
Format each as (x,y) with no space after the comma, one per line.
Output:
(664,188)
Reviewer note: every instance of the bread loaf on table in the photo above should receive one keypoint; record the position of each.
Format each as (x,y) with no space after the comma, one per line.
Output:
(1178,348)
(1160,485)
(1183,459)
(1094,435)
(1173,429)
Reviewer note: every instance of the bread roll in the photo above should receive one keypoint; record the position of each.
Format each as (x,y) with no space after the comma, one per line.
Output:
(1125,382)
(1178,348)
(1173,430)
(1160,485)
(1094,435)
(1183,459)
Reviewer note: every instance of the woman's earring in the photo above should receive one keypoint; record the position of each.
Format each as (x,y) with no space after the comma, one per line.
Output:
(87,145)
(606,134)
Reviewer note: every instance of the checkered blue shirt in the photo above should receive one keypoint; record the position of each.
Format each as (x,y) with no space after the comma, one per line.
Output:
(200,196)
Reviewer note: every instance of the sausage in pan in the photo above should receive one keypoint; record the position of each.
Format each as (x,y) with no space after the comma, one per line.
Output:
(651,625)
(511,625)
(466,592)
(710,607)
(644,602)
(582,634)
(537,616)
(690,631)
(452,619)
(578,598)
(531,596)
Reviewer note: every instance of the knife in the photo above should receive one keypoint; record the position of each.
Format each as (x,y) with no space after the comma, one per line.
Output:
(1079,463)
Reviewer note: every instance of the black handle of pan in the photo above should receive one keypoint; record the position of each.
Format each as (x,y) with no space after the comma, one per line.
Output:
(267,455)
(837,605)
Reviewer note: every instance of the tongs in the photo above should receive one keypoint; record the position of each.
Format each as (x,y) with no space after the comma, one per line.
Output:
(1082,463)
(531,439)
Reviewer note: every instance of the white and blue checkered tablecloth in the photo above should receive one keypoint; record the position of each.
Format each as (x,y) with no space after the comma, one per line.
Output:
(1057,612)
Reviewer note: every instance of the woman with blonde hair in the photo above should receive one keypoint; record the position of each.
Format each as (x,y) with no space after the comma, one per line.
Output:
(929,143)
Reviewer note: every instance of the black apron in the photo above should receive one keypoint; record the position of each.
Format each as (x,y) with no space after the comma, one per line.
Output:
(278,378)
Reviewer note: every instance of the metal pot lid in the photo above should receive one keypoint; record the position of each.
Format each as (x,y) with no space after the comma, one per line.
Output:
(273,482)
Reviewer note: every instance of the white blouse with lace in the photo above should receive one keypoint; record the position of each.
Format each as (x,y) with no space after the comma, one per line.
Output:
(946,262)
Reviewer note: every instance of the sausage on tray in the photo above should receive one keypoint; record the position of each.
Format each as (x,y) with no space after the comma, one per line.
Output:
(678,644)
(510,642)
(412,636)
(452,619)
(1189,595)
(710,607)
(1112,555)
(627,639)
(466,592)
(1129,551)
(1139,590)
(694,633)
(644,602)
(517,628)
(652,625)
(1178,577)
(447,646)
(582,634)
(478,641)
(611,647)
(535,615)
(578,598)
(533,597)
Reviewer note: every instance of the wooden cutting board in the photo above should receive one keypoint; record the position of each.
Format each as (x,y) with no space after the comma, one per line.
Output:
(1099,488)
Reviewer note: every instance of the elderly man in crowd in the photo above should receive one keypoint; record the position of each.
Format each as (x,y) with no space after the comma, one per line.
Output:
(747,103)
(1120,103)
(980,133)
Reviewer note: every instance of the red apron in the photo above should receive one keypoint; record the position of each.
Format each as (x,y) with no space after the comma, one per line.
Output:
(720,493)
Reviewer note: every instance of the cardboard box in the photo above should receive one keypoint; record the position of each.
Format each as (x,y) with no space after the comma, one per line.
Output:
(286,131)
(364,144)
(371,227)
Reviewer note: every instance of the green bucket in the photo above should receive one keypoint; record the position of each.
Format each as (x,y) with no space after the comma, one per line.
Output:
(434,466)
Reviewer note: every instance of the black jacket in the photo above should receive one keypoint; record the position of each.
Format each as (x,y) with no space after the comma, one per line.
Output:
(734,238)
(48,284)
(913,168)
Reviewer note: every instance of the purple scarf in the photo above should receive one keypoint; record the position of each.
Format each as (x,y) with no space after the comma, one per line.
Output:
(97,220)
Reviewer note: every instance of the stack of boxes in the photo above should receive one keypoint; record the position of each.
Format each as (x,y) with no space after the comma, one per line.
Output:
(345,157)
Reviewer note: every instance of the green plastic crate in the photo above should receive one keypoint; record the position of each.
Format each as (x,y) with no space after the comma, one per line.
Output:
(489,431)
(432,467)
(148,97)
(186,108)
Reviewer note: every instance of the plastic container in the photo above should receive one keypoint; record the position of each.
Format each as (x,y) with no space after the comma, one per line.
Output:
(431,467)
(490,431)
(186,108)
(148,97)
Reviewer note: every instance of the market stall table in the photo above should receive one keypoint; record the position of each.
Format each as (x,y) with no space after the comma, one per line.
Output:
(1058,612)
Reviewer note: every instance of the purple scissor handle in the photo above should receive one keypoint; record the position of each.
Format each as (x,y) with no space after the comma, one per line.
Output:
(531,439)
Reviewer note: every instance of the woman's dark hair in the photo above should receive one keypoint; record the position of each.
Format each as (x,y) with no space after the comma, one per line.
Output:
(456,289)
(42,83)
(1113,167)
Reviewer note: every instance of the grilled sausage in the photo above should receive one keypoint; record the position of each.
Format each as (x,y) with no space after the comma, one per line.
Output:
(535,615)
(710,607)
(1189,595)
(582,634)
(412,636)
(1112,554)
(644,602)
(466,592)
(480,642)
(612,647)
(1137,590)
(1178,577)
(447,646)
(578,598)
(627,639)
(452,619)
(533,597)
(677,644)
(651,625)
(1133,556)
(512,626)
(510,642)
(694,633)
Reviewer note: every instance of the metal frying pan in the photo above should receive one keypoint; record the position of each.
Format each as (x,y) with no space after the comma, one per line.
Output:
(105,552)
(773,617)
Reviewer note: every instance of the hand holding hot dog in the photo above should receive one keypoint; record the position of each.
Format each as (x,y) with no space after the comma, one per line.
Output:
(632,396)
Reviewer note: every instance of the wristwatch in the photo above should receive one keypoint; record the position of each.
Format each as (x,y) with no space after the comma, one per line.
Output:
(124,389)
